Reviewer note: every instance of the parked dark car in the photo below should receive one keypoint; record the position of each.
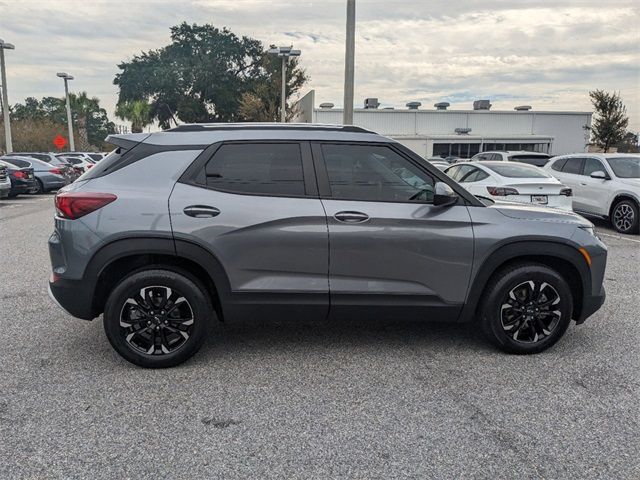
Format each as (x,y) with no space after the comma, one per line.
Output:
(22,179)
(65,167)
(48,177)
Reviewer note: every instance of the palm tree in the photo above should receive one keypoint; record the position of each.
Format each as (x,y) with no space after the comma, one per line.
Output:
(138,112)
(82,106)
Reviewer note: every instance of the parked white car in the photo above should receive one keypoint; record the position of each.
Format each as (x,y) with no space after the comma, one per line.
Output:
(604,184)
(513,182)
(531,158)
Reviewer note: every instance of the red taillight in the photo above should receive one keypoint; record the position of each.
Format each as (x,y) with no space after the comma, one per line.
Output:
(502,191)
(89,166)
(19,174)
(74,205)
(566,191)
(56,171)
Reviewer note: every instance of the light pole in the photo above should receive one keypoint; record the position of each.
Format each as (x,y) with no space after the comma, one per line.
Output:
(66,78)
(349,62)
(284,53)
(5,100)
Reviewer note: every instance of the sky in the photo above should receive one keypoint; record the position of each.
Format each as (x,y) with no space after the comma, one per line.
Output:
(547,54)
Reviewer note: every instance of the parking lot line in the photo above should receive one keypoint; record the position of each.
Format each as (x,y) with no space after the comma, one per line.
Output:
(618,237)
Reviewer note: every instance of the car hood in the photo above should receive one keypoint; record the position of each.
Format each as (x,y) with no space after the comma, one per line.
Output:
(632,182)
(532,212)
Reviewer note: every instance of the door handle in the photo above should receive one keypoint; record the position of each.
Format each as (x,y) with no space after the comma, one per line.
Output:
(582,183)
(351,217)
(201,211)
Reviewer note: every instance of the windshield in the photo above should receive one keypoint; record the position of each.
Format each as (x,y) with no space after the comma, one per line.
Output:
(625,167)
(514,170)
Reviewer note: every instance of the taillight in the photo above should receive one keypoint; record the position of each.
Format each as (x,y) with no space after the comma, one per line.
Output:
(19,174)
(502,191)
(55,171)
(89,166)
(74,205)
(566,191)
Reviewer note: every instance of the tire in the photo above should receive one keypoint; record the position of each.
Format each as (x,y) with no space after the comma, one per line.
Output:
(519,328)
(145,306)
(40,188)
(625,217)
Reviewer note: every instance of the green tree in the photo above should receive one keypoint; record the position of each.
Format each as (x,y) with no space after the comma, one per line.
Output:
(262,103)
(611,120)
(138,112)
(201,75)
(628,144)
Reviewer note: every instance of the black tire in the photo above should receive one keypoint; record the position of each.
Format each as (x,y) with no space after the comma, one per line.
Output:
(519,328)
(625,217)
(137,318)
(40,188)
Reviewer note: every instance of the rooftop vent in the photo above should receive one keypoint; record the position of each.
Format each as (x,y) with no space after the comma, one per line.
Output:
(326,105)
(482,105)
(413,105)
(523,108)
(462,131)
(371,103)
(441,105)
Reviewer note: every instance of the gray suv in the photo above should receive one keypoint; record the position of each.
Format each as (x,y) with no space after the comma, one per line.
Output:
(233,221)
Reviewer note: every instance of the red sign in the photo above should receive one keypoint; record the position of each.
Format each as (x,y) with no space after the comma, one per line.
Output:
(60,142)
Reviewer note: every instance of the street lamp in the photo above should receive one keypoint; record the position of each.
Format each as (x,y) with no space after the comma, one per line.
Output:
(284,53)
(5,100)
(66,78)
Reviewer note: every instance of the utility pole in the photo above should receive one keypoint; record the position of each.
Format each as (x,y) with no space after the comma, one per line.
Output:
(5,99)
(349,63)
(66,78)
(284,53)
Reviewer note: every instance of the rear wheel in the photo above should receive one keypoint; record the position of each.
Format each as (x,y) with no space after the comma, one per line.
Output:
(625,217)
(39,187)
(526,308)
(157,318)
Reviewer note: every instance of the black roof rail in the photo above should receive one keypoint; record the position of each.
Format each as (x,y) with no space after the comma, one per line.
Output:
(201,127)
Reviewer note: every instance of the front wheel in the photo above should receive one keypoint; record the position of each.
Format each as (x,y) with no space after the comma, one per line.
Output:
(157,318)
(625,217)
(526,308)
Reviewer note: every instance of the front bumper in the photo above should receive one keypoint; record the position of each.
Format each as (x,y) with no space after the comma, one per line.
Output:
(591,304)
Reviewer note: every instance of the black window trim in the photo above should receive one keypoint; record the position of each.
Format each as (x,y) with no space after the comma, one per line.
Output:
(189,176)
(465,198)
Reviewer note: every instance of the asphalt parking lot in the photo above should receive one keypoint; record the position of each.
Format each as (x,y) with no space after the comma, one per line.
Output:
(300,400)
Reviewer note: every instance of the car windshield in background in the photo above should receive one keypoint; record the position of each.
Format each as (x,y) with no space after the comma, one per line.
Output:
(512,170)
(625,167)
(536,160)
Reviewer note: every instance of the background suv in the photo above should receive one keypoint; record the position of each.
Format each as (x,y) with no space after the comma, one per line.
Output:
(531,158)
(603,184)
(234,221)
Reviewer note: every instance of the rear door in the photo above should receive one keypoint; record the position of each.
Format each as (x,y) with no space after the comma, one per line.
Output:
(254,206)
(594,192)
(391,250)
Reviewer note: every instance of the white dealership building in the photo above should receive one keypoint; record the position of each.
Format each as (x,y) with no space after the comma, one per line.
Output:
(441,131)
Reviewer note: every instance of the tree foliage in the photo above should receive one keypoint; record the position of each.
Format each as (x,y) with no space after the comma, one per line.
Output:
(90,121)
(138,112)
(203,75)
(611,120)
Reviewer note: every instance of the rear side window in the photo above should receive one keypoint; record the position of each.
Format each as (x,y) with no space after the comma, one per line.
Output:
(558,164)
(17,162)
(256,168)
(100,168)
(475,176)
(573,165)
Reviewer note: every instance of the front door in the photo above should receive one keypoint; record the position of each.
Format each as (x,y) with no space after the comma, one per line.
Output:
(254,207)
(390,248)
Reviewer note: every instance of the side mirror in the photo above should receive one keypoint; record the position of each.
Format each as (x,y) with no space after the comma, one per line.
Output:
(600,175)
(443,195)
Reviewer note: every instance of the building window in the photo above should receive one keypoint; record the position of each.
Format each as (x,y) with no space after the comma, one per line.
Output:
(462,150)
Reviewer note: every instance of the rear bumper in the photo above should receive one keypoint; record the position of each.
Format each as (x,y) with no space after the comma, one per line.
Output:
(591,304)
(73,297)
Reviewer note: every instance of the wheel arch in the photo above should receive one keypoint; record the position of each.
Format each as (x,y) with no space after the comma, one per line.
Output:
(566,259)
(622,196)
(124,256)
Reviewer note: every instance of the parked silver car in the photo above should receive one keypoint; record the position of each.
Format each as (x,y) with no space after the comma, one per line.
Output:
(603,184)
(48,177)
(246,220)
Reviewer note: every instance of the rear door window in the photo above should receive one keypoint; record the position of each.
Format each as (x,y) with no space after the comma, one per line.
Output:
(573,165)
(256,168)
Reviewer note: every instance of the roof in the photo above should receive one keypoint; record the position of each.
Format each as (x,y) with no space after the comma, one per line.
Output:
(206,134)
(517,152)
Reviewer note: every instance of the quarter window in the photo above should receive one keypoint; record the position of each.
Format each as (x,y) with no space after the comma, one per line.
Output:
(375,173)
(257,168)
(573,165)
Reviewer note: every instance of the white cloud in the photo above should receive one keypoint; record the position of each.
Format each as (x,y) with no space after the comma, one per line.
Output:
(545,53)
